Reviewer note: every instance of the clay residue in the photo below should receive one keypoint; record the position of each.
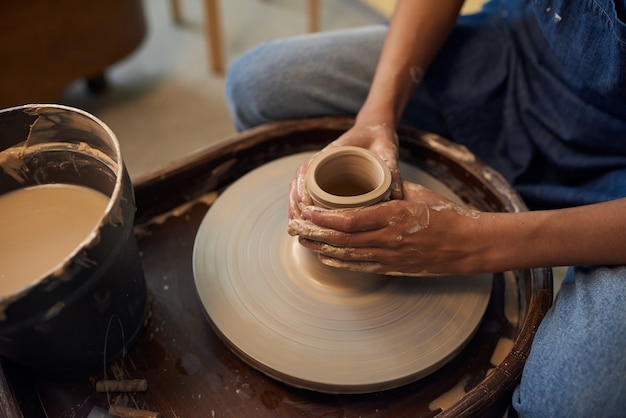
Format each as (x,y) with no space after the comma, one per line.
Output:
(306,228)
(208,199)
(417,74)
(496,180)
(12,162)
(511,299)
(361,266)
(47,125)
(456,151)
(503,348)
(54,310)
(470,213)
(449,398)
(421,218)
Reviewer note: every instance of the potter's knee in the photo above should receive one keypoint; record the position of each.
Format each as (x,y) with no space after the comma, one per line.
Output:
(570,398)
(245,87)
(576,365)
(255,85)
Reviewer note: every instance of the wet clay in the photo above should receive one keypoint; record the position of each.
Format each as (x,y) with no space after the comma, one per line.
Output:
(347,177)
(40,227)
(447,399)
(503,348)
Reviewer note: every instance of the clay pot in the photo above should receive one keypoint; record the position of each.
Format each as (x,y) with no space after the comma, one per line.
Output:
(347,177)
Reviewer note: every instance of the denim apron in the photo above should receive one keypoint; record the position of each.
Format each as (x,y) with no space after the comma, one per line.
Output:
(537,90)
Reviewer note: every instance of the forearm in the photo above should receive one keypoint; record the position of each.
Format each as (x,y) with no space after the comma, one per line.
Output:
(416,32)
(585,235)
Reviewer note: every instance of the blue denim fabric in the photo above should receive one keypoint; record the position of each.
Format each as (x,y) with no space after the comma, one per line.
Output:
(322,74)
(577,365)
(496,87)
(589,37)
(514,102)
(534,99)
(326,73)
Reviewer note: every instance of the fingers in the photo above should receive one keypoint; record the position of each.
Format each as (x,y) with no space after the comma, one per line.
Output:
(402,216)
(355,259)
(396,216)
(316,234)
(385,145)
(298,195)
(371,267)
(396,183)
(294,201)
(356,220)
(388,152)
(407,236)
(359,259)
(360,266)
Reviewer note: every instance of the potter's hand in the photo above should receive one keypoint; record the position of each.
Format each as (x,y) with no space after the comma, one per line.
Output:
(380,139)
(422,234)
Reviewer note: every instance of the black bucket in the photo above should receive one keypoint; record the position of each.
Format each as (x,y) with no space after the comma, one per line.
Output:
(87,307)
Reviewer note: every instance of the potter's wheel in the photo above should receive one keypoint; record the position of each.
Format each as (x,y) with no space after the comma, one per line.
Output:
(314,326)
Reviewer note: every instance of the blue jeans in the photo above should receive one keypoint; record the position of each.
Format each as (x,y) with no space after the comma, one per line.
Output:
(328,73)
(577,366)
(577,363)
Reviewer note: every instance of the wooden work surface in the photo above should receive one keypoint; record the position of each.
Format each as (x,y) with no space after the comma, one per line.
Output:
(191,373)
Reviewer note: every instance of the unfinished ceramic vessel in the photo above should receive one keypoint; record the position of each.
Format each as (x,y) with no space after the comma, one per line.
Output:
(348,177)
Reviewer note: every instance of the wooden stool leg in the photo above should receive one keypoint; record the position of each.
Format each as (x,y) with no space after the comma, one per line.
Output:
(213,31)
(176,11)
(313,11)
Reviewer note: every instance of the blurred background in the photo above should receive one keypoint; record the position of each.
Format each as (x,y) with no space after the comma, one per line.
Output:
(148,64)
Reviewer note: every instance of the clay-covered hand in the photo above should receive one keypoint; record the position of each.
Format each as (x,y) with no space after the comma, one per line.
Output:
(380,139)
(422,234)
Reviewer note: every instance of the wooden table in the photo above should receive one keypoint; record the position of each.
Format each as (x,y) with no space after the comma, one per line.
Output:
(191,373)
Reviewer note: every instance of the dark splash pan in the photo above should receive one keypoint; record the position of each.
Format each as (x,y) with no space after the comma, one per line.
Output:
(191,372)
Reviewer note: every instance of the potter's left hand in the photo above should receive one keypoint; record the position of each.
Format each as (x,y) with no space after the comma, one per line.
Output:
(422,234)
(380,139)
